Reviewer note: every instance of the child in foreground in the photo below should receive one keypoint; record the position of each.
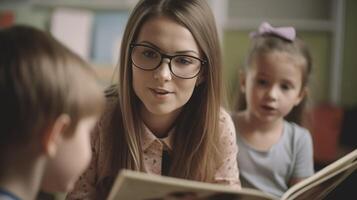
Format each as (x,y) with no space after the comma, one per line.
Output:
(49,103)
(275,151)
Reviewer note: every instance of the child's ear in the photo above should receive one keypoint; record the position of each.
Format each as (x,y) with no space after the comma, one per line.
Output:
(53,136)
(242,81)
(301,96)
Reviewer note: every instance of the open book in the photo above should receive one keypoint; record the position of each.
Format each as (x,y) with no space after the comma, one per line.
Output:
(141,186)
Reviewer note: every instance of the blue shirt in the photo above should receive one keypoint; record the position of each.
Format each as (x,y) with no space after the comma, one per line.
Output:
(6,195)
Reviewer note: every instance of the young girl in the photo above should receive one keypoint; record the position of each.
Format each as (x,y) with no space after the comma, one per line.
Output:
(275,152)
(46,114)
(165,115)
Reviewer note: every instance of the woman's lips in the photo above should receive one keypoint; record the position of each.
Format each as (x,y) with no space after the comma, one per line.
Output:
(160,93)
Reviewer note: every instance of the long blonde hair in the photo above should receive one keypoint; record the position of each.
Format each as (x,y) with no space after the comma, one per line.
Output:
(194,146)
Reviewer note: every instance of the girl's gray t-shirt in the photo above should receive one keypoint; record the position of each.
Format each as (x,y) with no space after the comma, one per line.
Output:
(270,171)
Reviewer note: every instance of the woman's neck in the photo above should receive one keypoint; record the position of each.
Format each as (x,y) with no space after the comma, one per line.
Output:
(160,125)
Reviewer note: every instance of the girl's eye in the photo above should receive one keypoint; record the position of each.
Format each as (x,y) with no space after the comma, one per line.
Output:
(286,87)
(262,82)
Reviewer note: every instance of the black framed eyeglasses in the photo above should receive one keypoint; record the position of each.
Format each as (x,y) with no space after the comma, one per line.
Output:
(148,58)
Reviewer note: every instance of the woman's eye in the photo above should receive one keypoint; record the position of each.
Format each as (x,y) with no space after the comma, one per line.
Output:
(150,54)
(184,60)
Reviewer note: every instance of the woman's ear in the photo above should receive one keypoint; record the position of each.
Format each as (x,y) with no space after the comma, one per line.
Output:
(53,136)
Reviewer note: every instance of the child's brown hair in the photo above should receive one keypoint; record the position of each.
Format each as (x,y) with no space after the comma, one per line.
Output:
(40,79)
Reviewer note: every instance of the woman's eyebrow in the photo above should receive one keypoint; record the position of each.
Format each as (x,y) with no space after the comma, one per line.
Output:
(159,49)
(150,44)
(187,51)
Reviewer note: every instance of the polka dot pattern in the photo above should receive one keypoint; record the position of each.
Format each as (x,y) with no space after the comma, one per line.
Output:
(227,172)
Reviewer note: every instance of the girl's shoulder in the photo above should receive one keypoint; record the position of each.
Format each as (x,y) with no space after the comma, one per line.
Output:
(296,133)
(295,128)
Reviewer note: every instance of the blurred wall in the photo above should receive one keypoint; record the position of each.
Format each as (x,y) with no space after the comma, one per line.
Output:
(349,72)
(314,16)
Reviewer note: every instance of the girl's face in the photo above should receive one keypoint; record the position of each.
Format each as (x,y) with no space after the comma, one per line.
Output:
(72,158)
(273,85)
(161,92)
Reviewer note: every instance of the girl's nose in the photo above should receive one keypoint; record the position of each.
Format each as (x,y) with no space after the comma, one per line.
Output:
(163,72)
(273,93)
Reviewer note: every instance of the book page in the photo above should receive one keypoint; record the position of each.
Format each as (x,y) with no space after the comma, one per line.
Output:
(141,186)
(324,180)
(322,187)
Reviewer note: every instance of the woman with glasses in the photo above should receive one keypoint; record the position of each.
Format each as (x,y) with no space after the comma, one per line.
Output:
(165,115)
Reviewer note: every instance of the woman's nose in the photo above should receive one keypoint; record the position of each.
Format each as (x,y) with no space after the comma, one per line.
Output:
(163,72)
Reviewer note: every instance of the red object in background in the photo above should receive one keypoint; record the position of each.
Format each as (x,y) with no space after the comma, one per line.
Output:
(6,18)
(326,130)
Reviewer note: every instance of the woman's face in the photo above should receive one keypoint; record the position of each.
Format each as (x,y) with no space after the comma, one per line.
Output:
(160,91)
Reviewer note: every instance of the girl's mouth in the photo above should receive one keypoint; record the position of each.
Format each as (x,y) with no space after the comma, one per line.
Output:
(268,108)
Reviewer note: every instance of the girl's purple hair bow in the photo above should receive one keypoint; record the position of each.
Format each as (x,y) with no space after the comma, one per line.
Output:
(287,33)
